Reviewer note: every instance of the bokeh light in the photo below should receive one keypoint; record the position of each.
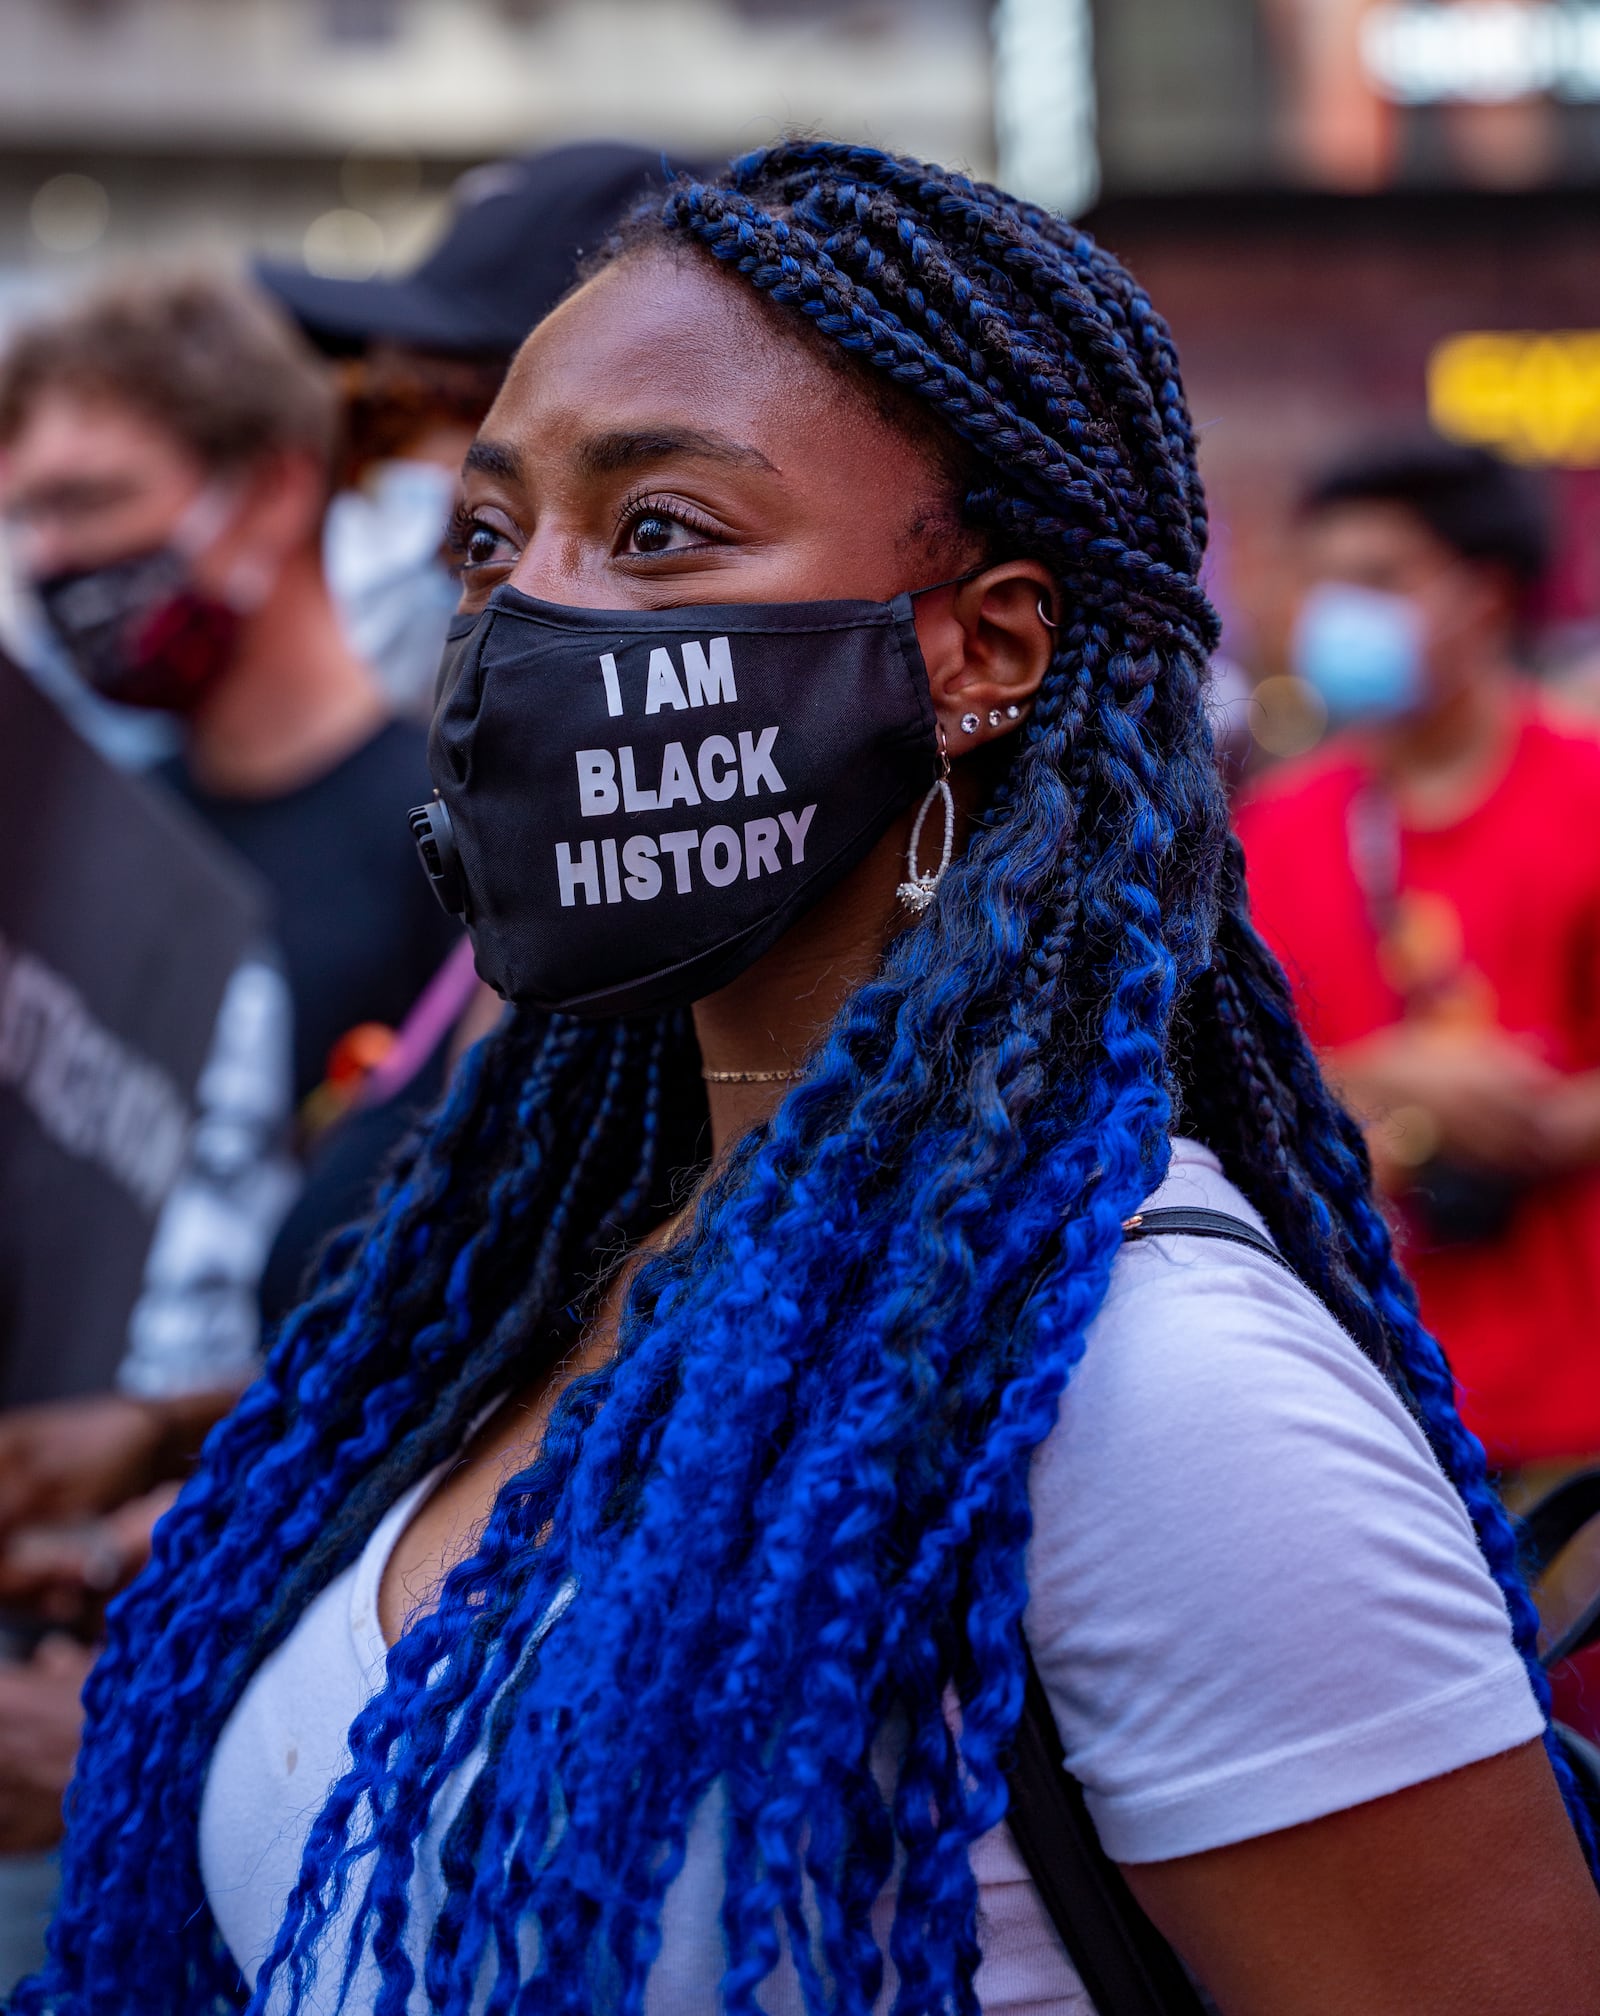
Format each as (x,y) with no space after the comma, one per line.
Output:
(69,213)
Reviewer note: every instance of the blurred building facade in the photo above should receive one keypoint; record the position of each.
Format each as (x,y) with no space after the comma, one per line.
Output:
(1319,193)
(1326,197)
(332,129)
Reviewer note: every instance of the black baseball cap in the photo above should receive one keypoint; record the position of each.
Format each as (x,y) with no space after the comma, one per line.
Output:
(519,230)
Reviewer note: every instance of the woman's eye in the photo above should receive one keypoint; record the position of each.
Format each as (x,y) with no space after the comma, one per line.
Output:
(654,532)
(474,542)
(480,545)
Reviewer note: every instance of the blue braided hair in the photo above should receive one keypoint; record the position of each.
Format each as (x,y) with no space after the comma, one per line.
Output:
(794,1505)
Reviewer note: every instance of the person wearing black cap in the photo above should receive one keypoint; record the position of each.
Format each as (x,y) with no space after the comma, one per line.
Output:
(430,349)
(420,356)
(1431,879)
(518,233)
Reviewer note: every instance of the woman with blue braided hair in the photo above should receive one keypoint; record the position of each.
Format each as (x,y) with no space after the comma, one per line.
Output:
(613,1597)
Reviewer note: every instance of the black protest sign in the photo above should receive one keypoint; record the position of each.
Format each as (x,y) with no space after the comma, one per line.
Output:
(119,927)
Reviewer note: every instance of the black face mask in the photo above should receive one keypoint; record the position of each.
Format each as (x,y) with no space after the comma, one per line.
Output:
(633,805)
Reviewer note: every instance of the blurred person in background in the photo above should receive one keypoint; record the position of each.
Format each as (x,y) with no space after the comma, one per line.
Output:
(418,359)
(419,356)
(1431,879)
(409,417)
(168,444)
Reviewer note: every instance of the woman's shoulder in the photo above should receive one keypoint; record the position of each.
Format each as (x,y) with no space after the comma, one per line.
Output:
(1200,1330)
(1253,1594)
(1209,1358)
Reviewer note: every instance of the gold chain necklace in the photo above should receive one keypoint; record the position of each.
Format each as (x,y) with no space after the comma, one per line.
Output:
(751,1077)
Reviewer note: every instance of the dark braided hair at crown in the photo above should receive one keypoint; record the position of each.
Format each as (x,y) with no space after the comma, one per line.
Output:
(795,1503)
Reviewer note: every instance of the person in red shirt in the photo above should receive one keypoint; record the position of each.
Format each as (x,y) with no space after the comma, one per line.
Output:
(1430,878)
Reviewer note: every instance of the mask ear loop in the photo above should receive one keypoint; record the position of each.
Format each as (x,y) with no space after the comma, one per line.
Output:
(919,890)
(205,517)
(204,521)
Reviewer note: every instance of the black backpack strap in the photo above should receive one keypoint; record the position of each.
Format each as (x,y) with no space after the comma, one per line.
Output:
(1545,1528)
(1543,1531)
(1123,1961)
(1200,1223)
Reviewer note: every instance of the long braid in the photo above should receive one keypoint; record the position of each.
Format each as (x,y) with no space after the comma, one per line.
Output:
(794,1506)
(343,1405)
(1314,1190)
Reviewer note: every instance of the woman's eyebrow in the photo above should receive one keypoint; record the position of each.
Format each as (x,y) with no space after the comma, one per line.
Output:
(614,453)
(493,458)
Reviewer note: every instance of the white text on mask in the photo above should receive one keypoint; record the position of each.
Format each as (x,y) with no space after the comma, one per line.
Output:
(607,781)
(723,853)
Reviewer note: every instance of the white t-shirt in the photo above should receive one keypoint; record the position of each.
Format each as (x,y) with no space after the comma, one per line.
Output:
(1254,1600)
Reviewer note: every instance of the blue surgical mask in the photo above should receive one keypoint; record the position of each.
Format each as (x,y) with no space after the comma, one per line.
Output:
(1362,650)
(394,591)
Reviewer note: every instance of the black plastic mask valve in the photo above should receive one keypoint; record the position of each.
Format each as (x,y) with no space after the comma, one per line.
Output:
(436,849)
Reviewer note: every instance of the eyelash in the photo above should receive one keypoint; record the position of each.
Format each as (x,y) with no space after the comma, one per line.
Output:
(640,504)
(463,523)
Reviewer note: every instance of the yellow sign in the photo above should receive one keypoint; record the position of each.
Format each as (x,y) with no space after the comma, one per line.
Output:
(1533,395)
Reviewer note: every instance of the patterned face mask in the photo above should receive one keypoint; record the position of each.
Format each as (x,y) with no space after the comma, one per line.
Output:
(139,630)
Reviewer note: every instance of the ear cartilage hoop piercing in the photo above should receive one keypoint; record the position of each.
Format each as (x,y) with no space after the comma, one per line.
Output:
(1046,618)
(969,724)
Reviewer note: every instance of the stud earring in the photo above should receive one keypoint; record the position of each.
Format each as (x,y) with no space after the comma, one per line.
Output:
(995,717)
(969,724)
(919,890)
(1013,712)
(1046,618)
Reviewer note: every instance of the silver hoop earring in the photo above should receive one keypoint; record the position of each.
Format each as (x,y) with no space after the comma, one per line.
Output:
(1046,618)
(919,890)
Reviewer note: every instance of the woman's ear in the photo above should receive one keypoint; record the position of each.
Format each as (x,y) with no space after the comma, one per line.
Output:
(987,644)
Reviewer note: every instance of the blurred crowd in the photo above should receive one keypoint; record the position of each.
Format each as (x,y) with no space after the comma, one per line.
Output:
(227,505)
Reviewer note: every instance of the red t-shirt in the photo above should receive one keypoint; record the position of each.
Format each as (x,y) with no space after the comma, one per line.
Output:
(1517,884)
